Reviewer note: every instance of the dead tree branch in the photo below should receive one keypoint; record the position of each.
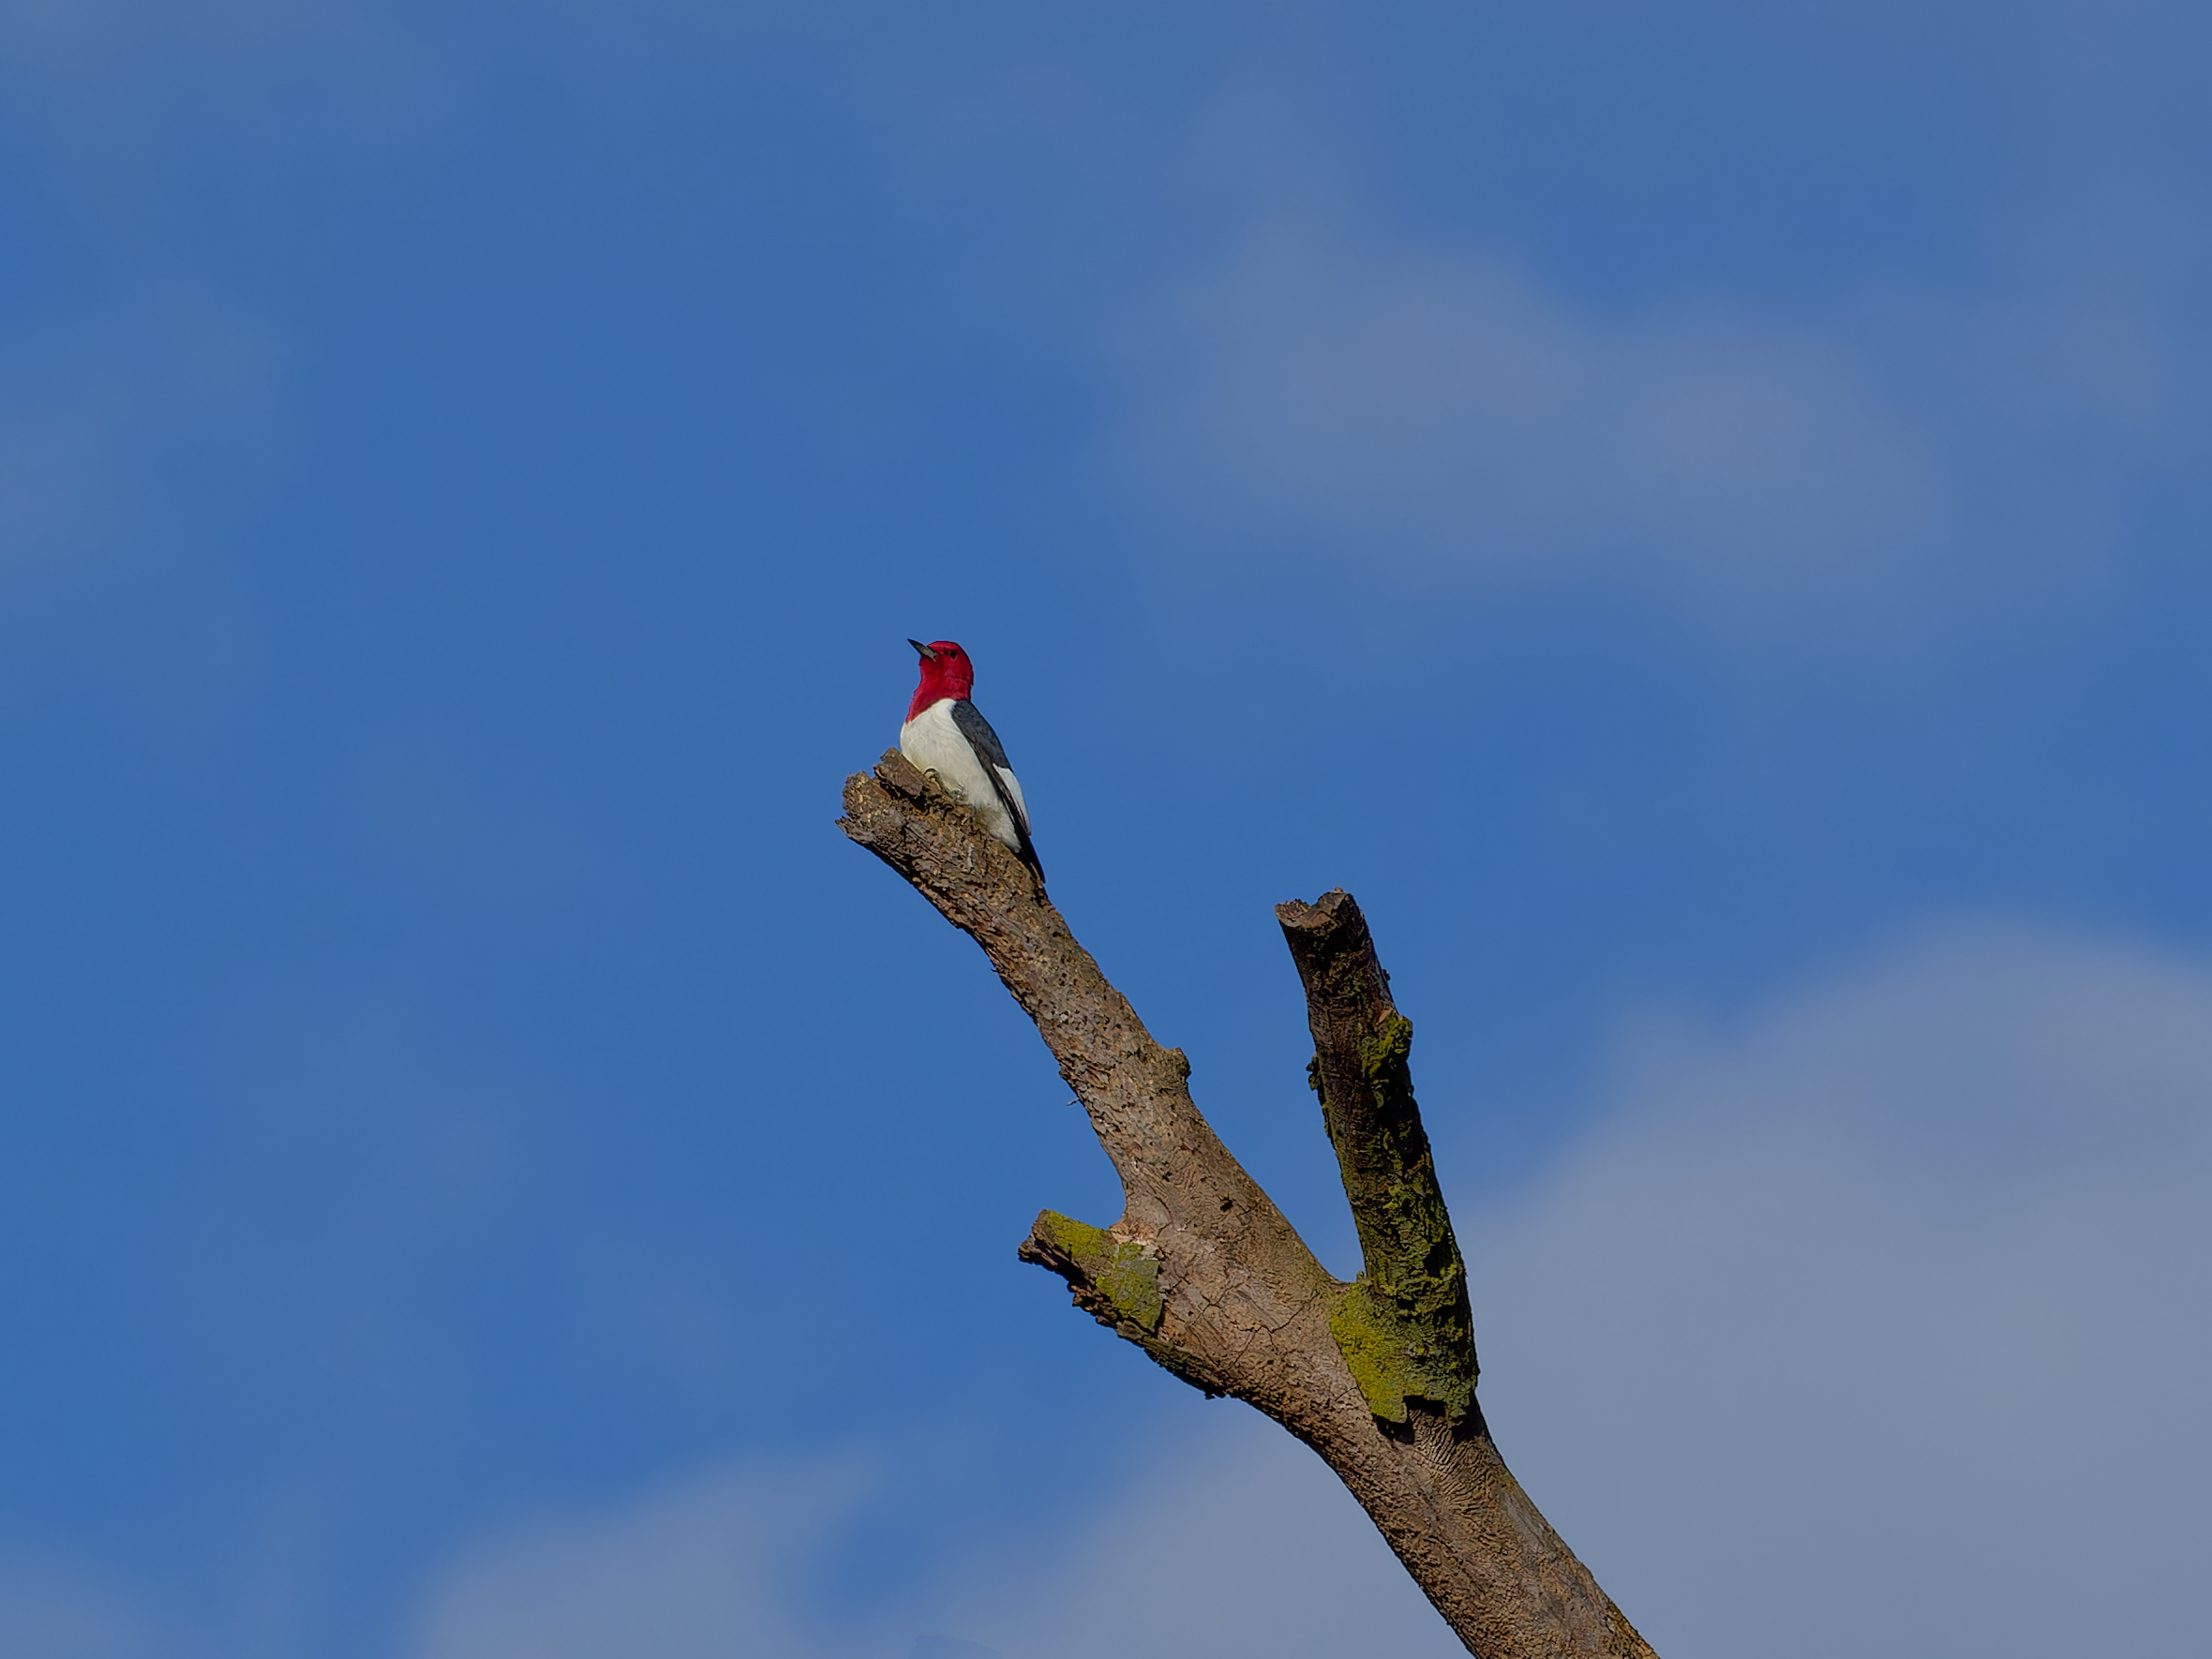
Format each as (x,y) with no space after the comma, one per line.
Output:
(1205,1275)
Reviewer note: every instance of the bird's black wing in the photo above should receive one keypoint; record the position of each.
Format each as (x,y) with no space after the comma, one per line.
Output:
(981,738)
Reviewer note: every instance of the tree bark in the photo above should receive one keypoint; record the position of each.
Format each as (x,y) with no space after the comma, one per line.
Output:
(1205,1274)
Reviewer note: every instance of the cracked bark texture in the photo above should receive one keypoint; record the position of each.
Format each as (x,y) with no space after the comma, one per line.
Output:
(1205,1274)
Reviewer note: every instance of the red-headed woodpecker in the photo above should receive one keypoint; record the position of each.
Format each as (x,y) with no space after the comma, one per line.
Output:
(947,737)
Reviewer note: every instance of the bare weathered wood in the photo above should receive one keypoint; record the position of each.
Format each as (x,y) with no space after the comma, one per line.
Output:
(1208,1276)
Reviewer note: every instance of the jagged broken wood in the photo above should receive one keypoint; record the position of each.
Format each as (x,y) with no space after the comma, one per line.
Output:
(1205,1274)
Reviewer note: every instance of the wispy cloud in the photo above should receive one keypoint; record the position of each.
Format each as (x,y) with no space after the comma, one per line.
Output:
(1321,391)
(118,427)
(1324,389)
(51,1611)
(141,397)
(709,1568)
(77,58)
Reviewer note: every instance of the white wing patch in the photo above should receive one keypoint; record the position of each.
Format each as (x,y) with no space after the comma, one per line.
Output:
(1013,789)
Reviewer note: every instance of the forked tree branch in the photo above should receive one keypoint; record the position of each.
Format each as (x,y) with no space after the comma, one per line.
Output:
(1205,1275)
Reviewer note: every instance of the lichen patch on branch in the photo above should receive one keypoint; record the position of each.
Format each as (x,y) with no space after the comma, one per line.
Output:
(1115,1279)
(1406,1328)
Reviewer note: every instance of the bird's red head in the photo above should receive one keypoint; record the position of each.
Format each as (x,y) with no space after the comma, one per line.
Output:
(946,672)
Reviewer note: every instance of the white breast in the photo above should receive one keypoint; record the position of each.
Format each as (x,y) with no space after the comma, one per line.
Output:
(932,742)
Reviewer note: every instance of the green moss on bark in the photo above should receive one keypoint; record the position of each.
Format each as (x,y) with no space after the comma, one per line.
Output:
(1406,1328)
(1126,1273)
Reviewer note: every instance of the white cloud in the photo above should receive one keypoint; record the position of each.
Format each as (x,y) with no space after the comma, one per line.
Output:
(49,1612)
(1323,391)
(1879,1325)
(705,1571)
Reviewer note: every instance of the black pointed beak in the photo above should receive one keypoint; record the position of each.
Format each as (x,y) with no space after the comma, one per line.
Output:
(923,650)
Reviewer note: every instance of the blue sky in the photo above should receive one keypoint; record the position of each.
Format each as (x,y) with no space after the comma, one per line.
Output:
(1694,515)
